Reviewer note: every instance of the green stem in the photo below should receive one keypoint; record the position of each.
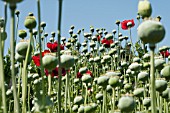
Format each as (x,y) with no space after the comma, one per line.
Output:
(113,90)
(85,102)
(39,39)
(49,84)
(130,33)
(152,78)
(29,87)
(58,50)
(12,40)
(24,75)
(66,91)
(2,77)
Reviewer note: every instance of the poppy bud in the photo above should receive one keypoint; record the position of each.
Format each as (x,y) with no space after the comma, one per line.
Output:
(144,8)
(43,24)
(136,59)
(22,34)
(17,12)
(161,85)
(92,29)
(78,100)
(97,59)
(72,27)
(74,36)
(151,31)
(121,38)
(67,61)
(49,62)
(30,22)
(109,36)
(126,104)
(165,72)
(35,32)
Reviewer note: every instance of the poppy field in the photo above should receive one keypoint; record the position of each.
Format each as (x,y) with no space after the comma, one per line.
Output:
(105,73)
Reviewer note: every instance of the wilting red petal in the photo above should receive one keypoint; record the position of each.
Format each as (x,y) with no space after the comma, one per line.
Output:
(44,52)
(79,75)
(165,53)
(53,46)
(124,24)
(55,72)
(89,72)
(107,42)
(36,60)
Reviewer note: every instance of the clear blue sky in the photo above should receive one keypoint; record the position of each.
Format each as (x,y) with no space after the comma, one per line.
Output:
(84,13)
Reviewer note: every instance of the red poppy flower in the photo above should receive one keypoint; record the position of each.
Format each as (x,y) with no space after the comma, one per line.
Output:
(165,53)
(36,58)
(53,46)
(79,75)
(107,42)
(125,22)
(55,72)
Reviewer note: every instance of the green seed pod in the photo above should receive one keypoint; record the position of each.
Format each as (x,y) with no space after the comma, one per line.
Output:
(109,36)
(19,57)
(92,44)
(86,78)
(83,70)
(101,49)
(21,48)
(109,89)
(114,81)
(30,22)
(146,57)
(102,81)
(136,59)
(143,76)
(165,72)
(160,85)
(13,1)
(99,96)
(76,80)
(22,34)
(84,50)
(67,61)
(121,38)
(147,102)
(78,100)
(3,35)
(75,108)
(81,109)
(159,64)
(138,92)
(151,31)
(88,109)
(49,62)
(166,94)
(97,59)
(128,86)
(94,106)
(126,104)
(144,8)
(135,66)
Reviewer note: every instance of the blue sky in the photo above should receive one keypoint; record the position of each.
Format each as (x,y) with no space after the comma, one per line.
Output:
(86,13)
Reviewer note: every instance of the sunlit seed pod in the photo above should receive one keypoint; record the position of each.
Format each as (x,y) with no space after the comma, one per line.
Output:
(126,37)
(109,36)
(112,45)
(91,60)
(68,45)
(114,31)
(144,8)
(124,64)
(72,27)
(103,81)
(126,104)
(136,59)
(81,109)
(30,22)
(70,31)
(139,92)
(86,78)
(99,96)
(151,31)
(159,64)
(114,81)
(116,42)
(146,57)
(121,38)
(19,57)
(134,67)
(143,76)
(164,48)
(92,29)
(92,44)
(49,62)
(86,35)
(84,50)
(74,36)
(22,34)
(106,58)
(63,39)
(78,100)
(101,49)
(43,24)
(160,85)
(147,102)
(97,59)
(166,94)
(100,32)
(117,22)
(83,70)
(21,48)
(75,108)
(36,81)
(165,72)
(8,92)
(88,109)
(128,87)
(67,61)
(94,106)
